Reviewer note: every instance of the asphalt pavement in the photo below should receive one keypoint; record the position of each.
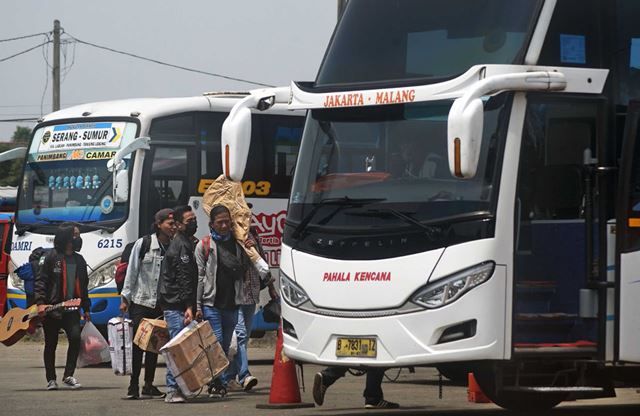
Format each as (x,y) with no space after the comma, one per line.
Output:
(22,391)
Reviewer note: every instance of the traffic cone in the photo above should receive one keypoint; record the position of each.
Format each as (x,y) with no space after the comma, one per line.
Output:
(285,392)
(474,393)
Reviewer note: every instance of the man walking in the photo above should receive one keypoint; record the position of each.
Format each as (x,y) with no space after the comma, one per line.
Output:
(139,295)
(178,284)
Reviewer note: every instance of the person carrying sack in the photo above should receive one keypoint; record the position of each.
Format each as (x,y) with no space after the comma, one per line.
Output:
(222,266)
(139,296)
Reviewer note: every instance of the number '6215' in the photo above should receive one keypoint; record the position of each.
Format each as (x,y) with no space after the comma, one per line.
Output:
(110,243)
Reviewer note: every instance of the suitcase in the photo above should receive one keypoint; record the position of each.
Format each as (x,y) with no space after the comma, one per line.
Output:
(120,345)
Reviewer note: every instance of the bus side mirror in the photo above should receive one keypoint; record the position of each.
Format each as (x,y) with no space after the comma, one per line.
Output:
(465,137)
(236,140)
(116,165)
(121,186)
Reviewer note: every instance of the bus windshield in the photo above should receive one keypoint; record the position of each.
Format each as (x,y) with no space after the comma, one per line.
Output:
(380,170)
(66,177)
(381,40)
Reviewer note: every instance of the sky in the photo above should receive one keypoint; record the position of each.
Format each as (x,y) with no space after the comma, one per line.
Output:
(271,42)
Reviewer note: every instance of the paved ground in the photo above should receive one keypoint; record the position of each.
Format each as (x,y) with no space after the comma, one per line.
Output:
(22,392)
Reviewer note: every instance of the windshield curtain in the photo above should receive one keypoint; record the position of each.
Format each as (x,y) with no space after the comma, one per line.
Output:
(382,171)
(66,177)
(381,40)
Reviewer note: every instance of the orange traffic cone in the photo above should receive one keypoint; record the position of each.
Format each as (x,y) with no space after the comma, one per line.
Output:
(285,392)
(474,393)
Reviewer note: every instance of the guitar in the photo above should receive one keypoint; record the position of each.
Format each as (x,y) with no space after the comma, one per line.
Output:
(18,322)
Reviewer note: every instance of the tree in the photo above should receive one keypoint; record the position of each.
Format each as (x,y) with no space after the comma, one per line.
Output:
(21,135)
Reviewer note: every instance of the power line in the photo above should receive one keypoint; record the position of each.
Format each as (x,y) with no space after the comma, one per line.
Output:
(17,120)
(25,37)
(198,71)
(25,51)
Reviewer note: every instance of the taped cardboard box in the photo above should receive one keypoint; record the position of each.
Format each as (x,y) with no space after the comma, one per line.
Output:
(152,334)
(195,357)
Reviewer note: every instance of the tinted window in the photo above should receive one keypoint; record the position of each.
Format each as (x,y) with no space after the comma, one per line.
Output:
(176,127)
(403,39)
(574,37)
(628,50)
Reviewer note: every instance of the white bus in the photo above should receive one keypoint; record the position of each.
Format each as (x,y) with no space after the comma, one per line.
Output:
(467,194)
(66,178)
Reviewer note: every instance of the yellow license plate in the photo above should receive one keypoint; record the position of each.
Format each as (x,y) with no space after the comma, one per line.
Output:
(356,347)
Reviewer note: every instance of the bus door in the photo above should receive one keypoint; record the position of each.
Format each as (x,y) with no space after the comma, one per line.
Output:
(628,241)
(553,257)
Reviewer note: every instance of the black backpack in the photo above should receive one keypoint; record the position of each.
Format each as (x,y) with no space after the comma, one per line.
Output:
(121,269)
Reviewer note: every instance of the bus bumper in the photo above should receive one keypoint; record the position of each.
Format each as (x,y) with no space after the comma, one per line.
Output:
(407,339)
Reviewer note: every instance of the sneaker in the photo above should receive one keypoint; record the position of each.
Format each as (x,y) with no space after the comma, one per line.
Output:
(151,391)
(133,392)
(52,385)
(249,383)
(382,404)
(233,385)
(319,389)
(218,392)
(71,382)
(174,396)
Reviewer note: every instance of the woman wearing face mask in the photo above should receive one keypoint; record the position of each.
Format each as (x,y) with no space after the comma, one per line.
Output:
(63,276)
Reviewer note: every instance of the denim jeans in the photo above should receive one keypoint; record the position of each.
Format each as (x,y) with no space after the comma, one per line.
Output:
(175,324)
(240,365)
(223,323)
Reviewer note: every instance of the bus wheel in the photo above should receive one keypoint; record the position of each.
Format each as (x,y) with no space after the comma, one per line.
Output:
(456,372)
(515,400)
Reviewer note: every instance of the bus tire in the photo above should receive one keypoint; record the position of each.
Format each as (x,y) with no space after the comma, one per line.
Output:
(458,373)
(518,401)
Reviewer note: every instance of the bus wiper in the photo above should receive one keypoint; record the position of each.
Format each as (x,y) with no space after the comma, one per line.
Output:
(341,202)
(23,228)
(431,230)
(88,224)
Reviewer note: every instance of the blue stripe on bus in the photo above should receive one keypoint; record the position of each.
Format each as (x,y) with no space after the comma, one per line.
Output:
(78,126)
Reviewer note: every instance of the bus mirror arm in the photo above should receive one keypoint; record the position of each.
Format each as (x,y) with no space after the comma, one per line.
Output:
(236,129)
(116,165)
(13,154)
(466,117)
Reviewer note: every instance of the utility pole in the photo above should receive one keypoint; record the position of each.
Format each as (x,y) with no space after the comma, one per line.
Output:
(341,6)
(56,65)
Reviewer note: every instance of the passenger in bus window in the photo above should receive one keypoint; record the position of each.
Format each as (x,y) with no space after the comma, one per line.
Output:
(63,276)
(373,396)
(139,295)
(178,283)
(222,266)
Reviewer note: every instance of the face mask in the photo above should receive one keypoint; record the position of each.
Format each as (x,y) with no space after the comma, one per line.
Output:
(218,237)
(190,228)
(76,243)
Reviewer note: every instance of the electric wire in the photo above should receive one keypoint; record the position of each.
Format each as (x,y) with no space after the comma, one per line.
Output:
(23,52)
(184,68)
(24,37)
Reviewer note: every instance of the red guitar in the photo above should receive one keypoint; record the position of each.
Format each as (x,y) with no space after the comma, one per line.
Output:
(18,322)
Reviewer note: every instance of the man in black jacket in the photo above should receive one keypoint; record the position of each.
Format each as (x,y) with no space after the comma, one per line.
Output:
(63,276)
(177,285)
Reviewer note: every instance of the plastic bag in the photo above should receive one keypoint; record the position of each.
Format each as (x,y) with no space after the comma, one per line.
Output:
(94,349)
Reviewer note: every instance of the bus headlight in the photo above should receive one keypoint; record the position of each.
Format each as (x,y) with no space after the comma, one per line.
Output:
(16,282)
(451,288)
(291,292)
(103,274)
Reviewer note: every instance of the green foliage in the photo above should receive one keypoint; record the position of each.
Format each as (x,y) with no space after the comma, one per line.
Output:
(11,170)
(21,135)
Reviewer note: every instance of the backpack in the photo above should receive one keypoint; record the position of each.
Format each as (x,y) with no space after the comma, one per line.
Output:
(121,268)
(36,260)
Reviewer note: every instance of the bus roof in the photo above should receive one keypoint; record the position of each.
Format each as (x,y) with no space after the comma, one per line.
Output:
(150,108)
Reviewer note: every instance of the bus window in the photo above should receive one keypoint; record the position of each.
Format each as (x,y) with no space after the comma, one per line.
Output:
(172,128)
(574,37)
(628,51)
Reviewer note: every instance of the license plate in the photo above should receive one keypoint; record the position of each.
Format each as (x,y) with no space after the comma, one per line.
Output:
(356,347)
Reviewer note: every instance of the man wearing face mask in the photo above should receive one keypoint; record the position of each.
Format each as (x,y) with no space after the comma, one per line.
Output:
(178,283)
(63,276)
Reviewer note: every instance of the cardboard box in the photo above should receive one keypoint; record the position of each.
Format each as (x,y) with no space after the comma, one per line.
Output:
(151,335)
(195,357)
(120,347)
